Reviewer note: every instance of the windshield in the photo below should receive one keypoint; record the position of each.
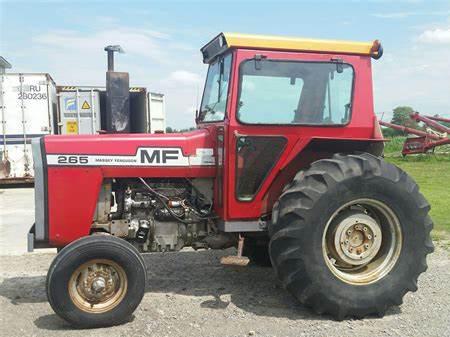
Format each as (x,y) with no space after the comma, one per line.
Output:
(293,92)
(214,100)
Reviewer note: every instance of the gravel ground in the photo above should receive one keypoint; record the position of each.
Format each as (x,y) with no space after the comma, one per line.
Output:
(191,294)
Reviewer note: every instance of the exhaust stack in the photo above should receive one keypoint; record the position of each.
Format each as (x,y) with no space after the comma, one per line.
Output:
(117,95)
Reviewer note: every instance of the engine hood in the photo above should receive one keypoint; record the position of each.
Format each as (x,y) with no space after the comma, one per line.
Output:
(70,171)
(193,148)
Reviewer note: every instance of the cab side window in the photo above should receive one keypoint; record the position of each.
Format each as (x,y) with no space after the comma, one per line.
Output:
(295,93)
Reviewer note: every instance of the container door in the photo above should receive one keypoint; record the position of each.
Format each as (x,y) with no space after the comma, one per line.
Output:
(79,112)
(88,109)
(157,113)
(25,115)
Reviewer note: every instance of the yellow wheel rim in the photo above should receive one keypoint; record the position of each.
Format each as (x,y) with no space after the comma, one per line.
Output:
(362,241)
(98,286)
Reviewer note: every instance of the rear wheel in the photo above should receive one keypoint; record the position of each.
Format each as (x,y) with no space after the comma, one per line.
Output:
(349,236)
(96,281)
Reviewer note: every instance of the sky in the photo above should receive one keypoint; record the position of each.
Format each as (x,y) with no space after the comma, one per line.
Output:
(162,41)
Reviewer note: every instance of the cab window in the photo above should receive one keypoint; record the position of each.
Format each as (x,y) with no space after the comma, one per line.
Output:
(214,100)
(291,92)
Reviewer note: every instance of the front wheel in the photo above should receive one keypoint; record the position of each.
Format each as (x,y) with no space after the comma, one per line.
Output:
(96,281)
(349,236)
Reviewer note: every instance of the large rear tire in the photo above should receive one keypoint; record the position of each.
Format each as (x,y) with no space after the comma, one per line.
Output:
(96,281)
(350,235)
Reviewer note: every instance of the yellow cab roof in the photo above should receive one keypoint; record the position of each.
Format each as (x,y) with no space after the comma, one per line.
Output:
(225,41)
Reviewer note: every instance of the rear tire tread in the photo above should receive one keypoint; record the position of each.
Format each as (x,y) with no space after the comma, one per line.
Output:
(320,177)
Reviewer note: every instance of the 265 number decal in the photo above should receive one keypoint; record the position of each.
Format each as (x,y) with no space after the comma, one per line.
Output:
(72,160)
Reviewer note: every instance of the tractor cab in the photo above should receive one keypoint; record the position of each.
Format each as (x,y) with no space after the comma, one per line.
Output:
(267,99)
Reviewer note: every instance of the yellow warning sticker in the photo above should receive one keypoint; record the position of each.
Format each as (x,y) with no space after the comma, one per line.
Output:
(72,127)
(85,106)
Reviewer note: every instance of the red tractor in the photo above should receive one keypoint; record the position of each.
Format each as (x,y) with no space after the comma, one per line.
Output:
(284,165)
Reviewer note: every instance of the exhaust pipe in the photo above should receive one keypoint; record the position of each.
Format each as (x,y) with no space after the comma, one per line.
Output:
(110,50)
(117,95)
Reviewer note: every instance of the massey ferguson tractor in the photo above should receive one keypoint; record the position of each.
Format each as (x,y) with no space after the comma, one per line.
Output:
(285,165)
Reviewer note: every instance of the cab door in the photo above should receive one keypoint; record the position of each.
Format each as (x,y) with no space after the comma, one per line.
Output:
(254,151)
(213,116)
(280,101)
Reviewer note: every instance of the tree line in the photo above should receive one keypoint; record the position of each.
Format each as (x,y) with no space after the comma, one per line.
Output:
(173,130)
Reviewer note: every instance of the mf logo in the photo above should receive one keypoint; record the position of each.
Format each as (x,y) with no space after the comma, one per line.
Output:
(159,156)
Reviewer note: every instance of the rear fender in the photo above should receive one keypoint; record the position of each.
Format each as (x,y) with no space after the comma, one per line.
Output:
(302,155)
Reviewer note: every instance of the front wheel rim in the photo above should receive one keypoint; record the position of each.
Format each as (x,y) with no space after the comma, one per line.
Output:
(362,241)
(98,286)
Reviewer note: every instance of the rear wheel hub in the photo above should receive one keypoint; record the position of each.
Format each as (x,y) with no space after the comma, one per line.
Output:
(362,241)
(357,239)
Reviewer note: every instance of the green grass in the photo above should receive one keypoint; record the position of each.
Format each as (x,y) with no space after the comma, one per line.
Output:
(432,174)
(394,146)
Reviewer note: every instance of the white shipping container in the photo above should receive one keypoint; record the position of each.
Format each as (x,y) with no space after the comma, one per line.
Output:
(157,112)
(28,107)
(79,112)
(147,110)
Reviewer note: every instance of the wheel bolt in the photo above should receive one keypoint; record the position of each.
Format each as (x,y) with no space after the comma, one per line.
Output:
(365,229)
(369,237)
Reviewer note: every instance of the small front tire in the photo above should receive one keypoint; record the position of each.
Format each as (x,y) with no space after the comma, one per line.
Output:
(96,281)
